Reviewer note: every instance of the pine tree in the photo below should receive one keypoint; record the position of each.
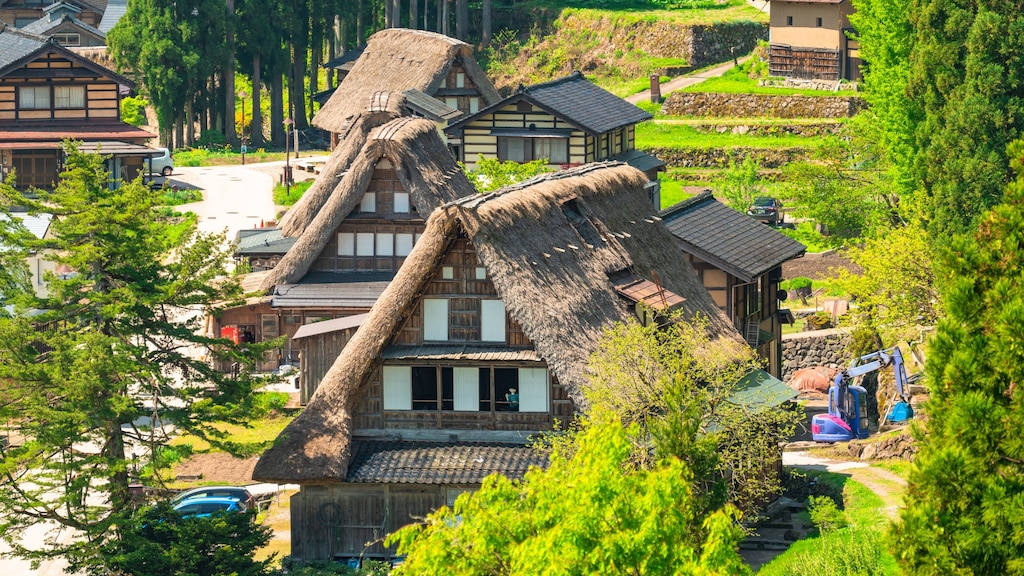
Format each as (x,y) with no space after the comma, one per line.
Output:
(964,509)
(117,339)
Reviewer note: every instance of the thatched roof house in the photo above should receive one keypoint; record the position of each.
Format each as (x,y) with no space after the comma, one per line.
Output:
(422,164)
(565,255)
(398,59)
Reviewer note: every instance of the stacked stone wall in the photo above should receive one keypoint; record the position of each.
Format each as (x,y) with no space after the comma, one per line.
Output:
(816,348)
(721,157)
(716,104)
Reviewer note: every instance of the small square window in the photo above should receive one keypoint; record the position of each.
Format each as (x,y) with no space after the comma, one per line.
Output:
(401,202)
(369,203)
(481,273)
(447,272)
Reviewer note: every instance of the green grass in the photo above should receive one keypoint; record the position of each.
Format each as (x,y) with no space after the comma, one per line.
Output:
(897,466)
(623,87)
(660,135)
(859,549)
(807,234)
(289,195)
(261,431)
(738,81)
(701,12)
(229,157)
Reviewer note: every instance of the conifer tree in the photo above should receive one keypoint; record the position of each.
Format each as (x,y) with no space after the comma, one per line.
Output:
(964,511)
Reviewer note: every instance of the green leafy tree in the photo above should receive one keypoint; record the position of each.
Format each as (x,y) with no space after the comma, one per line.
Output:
(157,541)
(491,173)
(896,293)
(963,511)
(740,184)
(590,512)
(683,389)
(116,340)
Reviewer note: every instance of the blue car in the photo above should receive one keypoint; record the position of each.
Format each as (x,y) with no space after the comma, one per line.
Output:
(204,506)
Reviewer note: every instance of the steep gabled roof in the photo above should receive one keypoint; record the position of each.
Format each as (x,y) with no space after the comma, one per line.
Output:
(398,59)
(550,246)
(575,100)
(46,26)
(423,165)
(18,48)
(114,11)
(732,241)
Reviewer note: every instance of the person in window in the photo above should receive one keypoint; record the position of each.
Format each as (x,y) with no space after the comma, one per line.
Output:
(513,399)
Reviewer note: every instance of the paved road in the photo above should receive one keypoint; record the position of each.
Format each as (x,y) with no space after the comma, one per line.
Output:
(234,197)
(681,82)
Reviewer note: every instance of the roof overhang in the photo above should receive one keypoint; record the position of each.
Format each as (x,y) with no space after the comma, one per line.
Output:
(533,132)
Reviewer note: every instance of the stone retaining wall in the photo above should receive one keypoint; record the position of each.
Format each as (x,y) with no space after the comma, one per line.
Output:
(806,130)
(720,157)
(756,105)
(816,348)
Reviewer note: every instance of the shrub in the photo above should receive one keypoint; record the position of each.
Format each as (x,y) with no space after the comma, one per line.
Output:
(826,516)
(133,110)
(289,195)
(818,321)
(211,140)
(795,283)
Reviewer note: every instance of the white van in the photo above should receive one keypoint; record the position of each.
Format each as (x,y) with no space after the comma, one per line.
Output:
(162,163)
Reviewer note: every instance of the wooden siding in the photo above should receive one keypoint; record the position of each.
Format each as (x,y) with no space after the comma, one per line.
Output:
(340,521)
(464,94)
(101,95)
(477,138)
(384,184)
(317,354)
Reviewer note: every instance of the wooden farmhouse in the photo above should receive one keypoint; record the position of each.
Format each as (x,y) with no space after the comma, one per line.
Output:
(437,75)
(811,39)
(569,121)
(48,94)
(21,13)
(739,261)
(481,340)
(352,230)
(62,22)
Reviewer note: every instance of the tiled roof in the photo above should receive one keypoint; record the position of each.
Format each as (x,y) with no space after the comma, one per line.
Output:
(461,352)
(80,131)
(16,44)
(429,106)
(728,239)
(263,241)
(355,290)
(585,104)
(115,10)
(642,161)
(44,25)
(439,463)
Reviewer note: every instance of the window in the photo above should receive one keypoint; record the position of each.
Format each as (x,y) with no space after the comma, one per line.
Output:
(403,244)
(465,389)
(516,149)
(401,203)
(474,105)
(346,244)
(819,22)
(460,80)
(369,203)
(364,244)
(435,319)
(481,273)
(492,321)
(447,273)
(385,244)
(452,102)
(34,97)
(68,39)
(69,97)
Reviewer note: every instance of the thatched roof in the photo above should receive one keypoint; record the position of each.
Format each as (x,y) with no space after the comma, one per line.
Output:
(554,279)
(375,110)
(422,163)
(398,59)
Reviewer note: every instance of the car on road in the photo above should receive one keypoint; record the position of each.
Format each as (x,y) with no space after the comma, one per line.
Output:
(162,163)
(203,506)
(766,209)
(237,492)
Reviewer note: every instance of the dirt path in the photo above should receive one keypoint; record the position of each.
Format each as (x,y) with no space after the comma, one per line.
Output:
(887,486)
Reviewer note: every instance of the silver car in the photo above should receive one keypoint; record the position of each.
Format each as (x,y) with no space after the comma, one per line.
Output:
(162,163)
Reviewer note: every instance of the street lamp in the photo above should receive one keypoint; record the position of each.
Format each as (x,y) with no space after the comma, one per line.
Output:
(243,95)
(287,168)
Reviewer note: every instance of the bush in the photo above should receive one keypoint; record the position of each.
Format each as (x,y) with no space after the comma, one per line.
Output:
(212,140)
(133,110)
(289,195)
(796,283)
(818,321)
(826,516)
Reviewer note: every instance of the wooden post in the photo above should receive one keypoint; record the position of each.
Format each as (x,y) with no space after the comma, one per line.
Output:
(655,88)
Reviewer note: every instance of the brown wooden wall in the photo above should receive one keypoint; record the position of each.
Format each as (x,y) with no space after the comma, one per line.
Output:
(317,354)
(467,97)
(341,521)
(101,96)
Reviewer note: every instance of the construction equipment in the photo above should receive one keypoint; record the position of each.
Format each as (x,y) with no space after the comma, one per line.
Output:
(847,416)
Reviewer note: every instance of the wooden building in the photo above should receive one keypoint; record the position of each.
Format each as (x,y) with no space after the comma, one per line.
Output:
(49,94)
(481,339)
(62,22)
(21,13)
(811,39)
(338,248)
(569,121)
(432,70)
(739,261)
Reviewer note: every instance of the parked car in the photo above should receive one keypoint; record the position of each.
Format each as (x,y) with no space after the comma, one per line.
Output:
(767,210)
(162,163)
(237,492)
(203,506)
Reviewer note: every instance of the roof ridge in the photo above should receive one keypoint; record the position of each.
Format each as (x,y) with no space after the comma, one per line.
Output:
(576,75)
(546,177)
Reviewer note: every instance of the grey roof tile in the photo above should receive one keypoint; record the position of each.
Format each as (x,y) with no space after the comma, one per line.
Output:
(584,103)
(438,462)
(728,239)
(16,44)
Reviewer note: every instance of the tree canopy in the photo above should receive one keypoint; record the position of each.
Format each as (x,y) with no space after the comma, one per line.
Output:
(963,512)
(92,372)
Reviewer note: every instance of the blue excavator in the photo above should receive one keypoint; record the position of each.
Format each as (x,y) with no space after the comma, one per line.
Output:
(847,416)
